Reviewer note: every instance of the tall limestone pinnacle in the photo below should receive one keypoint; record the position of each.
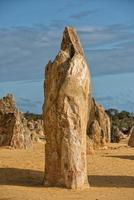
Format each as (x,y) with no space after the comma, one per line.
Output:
(65,114)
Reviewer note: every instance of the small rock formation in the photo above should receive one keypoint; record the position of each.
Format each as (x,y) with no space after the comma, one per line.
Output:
(117,135)
(13,128)
(90,148)
(36,129)
(96,132)
(65,115)
(131,139)
(98,127)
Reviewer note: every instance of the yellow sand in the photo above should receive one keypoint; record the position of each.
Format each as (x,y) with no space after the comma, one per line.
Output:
(111,175)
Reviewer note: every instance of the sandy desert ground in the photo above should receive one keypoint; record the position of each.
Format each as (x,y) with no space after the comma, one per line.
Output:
(110,174)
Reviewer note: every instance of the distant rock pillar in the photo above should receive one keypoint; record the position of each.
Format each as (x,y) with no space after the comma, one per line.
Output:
(131,139)
(65,114)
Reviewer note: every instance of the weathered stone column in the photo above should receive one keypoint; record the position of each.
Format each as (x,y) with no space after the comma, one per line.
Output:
(131,139)
(65,114)
(13,131)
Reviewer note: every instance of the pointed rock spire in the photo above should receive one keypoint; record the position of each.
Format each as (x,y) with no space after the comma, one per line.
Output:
(65,114)
(71,42)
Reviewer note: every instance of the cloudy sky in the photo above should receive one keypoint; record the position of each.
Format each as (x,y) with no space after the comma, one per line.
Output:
(30,35)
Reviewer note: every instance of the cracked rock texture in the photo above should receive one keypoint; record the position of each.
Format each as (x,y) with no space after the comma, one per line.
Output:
(13,128)
(65,114)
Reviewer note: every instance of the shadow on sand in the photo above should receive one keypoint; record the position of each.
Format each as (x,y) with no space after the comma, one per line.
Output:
(123,157)
(21,177)
(33,178)
(111,181)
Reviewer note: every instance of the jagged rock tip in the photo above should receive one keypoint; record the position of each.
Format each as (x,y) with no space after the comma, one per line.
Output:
(71,42)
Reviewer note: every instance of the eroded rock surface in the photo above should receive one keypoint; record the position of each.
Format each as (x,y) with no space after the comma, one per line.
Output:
(131,139)
(90,147)
(96,131)
(117,135)
(65,114)
(36,129)
(98,127)
(13,128)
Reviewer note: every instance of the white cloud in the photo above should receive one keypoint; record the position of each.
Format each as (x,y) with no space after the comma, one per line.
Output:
(24,51)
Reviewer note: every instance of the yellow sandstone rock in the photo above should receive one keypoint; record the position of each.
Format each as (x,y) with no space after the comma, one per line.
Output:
(65,114)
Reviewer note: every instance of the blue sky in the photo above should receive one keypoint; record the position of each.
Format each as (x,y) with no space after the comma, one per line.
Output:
(107,90)
(30,35)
